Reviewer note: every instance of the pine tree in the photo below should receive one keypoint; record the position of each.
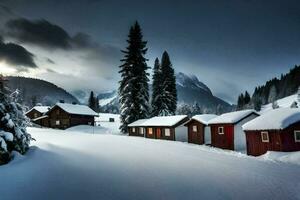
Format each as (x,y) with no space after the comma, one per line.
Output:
(92,101)
(97,106)
(156,100)
(134,89)
(241,102)
(196,109)
(272,94)
(169,93)
(13,123)
(185,109)
(257,103)
(247,98)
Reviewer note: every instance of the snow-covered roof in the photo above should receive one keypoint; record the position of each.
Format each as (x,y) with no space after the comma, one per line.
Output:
(231,117)
(76,109)
(276,119)
(204,118)
(41,109)
(159,121)
(137,123)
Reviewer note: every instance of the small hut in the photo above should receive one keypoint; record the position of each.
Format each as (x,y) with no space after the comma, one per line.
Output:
(37,115)
(276,130)
(65,115)
(226,129)
(164,127)
(198,129)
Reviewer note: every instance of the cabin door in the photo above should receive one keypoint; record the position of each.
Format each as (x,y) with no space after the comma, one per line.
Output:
(158,133)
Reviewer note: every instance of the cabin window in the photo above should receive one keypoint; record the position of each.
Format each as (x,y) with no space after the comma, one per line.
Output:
(264,136)
(150,131)
(221,130)
(194,128)
(297,136)
(57,112)
(142,130)
(133,130)
(57,122)
(167,132)
(35,115)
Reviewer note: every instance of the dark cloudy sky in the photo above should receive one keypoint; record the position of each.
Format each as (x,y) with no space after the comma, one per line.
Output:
(231,45)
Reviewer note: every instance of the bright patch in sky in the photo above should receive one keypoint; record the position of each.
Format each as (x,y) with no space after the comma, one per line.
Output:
(6,70)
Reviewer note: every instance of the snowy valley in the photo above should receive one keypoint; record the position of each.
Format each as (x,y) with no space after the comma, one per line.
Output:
(78,165)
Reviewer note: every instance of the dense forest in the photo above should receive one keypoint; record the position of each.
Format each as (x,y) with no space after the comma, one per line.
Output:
(272,90)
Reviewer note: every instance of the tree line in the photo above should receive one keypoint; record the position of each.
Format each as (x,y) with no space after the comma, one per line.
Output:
(272,90)
(134,98)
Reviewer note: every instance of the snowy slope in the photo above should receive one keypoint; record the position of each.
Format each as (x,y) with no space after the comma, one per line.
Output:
(69,165)
(104,102)
(282,103)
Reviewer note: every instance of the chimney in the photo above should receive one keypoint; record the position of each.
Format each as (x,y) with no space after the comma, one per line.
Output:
(61,101)
(74,103)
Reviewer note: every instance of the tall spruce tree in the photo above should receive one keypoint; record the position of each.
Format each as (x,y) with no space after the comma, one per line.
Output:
(92,101)
(134,89)
(156,101)
(247,98)
(169,91)
(13,123)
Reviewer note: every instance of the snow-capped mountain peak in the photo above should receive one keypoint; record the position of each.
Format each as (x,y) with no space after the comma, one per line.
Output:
(190,81)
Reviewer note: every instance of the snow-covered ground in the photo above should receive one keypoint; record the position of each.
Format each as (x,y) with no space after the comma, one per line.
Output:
(72,165)
(285,102)
(111,127)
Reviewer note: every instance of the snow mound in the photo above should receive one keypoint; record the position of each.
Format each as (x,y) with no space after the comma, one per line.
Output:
(286,157)
(276,119)
(231,117)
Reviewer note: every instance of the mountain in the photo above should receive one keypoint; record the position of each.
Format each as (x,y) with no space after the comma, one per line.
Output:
(34,91)
(190,90)
(109,102)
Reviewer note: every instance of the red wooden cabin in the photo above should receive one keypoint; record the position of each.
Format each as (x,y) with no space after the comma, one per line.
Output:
(198,130)
(277,130)
(226,129)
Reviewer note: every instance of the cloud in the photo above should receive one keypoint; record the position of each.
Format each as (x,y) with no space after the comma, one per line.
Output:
(50,61)
(39,32)
(16,55)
